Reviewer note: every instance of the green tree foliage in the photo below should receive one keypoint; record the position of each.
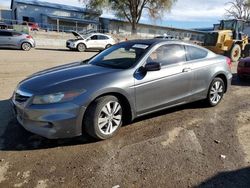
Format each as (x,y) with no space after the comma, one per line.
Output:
(132,10)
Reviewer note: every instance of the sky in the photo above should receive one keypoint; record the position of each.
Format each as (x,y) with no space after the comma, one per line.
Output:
(184,14)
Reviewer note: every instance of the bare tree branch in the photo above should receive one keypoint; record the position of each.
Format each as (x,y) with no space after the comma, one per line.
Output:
(239,9)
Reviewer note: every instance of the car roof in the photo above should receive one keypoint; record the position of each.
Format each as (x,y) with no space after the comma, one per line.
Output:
(153,41)
(156,41)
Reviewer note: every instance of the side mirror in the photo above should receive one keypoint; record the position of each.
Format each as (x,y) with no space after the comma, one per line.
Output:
(153,66)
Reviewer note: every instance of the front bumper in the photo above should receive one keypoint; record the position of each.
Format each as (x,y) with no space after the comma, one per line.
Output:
(70,45)
(51,121)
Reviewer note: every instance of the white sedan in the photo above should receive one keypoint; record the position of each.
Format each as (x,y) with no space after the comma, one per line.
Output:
(91,41)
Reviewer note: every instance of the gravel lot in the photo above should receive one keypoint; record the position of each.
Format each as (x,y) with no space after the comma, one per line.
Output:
(187,146)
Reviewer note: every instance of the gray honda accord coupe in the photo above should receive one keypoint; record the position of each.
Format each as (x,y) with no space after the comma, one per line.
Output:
(121,83)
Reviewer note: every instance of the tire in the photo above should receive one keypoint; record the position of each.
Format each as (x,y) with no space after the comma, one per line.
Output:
(99,122)
(216,92)
(81,47)
(235,53)
(26,46)
(108,46)
(246,52)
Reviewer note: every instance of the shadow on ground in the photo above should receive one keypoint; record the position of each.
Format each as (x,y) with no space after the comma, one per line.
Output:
(14,137)
(66,50)
(233,179)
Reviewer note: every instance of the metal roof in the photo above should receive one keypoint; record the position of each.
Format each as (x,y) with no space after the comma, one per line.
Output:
(55,5)
(71,19)
(154,26)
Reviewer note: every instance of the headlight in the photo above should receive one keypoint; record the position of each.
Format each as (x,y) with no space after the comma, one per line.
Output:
(56,97)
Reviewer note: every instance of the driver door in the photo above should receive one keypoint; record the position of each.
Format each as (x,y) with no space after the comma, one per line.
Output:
(92,42)
(167,87)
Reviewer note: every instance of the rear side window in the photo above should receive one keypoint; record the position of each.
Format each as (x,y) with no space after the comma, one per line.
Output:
(194,53)
(168,54)
(16,34)
(5,34)
(102,37)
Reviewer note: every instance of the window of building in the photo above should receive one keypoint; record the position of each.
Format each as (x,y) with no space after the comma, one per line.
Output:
(194,53)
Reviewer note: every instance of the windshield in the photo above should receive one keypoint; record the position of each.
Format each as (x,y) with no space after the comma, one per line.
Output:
(227,24)
(121,56)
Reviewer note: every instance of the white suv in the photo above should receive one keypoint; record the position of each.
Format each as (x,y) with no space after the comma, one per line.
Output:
(90,41)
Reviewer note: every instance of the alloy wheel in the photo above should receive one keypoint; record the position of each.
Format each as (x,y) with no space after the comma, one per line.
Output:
(26,46)
(110,118)
(81,47)
(216,92)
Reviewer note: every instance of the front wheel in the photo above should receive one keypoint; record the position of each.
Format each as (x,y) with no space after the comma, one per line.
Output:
(103,117)
(81,47)
(216,92)
(26,46)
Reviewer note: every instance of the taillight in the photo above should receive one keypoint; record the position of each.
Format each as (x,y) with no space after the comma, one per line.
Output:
(29,37)
(229,63)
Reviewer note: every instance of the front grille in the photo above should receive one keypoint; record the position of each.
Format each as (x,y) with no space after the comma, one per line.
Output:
(211,39)
(20,98)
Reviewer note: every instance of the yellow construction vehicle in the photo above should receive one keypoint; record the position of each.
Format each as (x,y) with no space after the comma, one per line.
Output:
(228,39)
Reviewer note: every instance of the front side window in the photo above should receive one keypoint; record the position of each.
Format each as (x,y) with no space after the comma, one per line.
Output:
(121,56)
(94,37)
(194,53)
(168,54)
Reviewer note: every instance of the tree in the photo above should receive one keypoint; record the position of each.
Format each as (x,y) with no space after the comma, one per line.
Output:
(239,9)
(132,10)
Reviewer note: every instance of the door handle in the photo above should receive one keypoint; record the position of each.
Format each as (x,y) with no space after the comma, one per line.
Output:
(186,70)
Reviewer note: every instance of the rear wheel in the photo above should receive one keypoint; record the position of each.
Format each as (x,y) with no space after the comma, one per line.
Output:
(81,47)
(235,53)
(216,92)
(26,46)
(103,117)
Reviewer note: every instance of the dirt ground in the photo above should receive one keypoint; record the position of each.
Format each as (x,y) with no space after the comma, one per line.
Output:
(187,146)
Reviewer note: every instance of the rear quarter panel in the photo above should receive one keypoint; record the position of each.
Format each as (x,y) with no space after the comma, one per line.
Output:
(205,71)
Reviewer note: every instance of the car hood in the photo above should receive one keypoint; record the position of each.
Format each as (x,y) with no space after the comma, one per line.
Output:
(63,78)
(77,35)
